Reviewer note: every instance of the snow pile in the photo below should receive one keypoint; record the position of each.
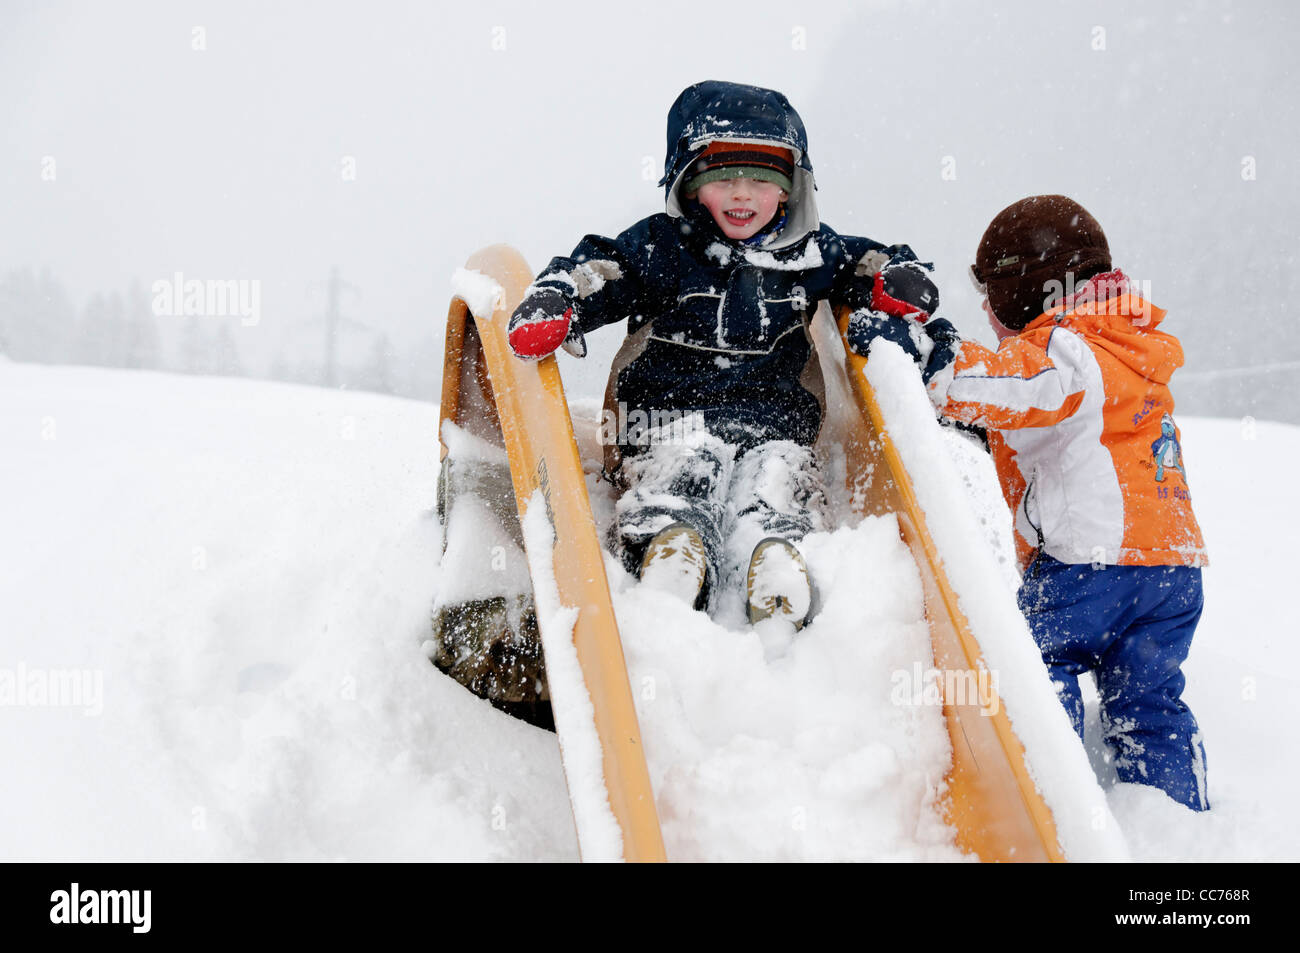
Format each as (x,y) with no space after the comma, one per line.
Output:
(806,260)
(480,293)
(476,535)
(802,757)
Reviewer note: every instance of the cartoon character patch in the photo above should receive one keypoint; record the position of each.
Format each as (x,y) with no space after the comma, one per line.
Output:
(1166,449)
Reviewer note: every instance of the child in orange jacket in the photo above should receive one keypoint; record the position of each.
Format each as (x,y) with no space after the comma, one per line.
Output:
(1079,418)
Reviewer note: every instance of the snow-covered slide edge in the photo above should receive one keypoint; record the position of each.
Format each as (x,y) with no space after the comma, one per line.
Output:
(599,836)
(595,715)
(1056,759)
(481,294)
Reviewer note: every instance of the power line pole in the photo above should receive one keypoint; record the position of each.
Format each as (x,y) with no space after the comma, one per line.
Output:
(334,320)
(332,325)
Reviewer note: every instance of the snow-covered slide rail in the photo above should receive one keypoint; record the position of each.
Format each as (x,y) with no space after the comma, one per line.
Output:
(1020,787)
(493,402)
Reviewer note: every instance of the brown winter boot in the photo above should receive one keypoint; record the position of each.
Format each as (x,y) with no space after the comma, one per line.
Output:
(675,562)
(778,584)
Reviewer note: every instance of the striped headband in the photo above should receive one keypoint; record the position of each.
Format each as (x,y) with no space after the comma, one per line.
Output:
(742,160)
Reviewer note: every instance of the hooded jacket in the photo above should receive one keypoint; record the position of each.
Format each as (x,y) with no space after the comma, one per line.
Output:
(718,327)
(1080,424)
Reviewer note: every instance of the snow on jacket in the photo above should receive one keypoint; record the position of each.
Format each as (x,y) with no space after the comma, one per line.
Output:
(1080,424)
(716,326)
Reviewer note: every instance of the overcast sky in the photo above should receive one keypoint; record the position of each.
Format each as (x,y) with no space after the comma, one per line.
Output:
(214,139)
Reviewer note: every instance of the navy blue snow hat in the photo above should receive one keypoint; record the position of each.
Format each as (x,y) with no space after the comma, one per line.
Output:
(713,110)
(718,110)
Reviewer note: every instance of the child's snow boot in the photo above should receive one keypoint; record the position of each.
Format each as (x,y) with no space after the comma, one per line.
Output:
(778,584)
(676,562)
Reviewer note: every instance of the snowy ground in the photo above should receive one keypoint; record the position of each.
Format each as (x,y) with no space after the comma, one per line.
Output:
(251,568)
(1242,674)
(247,570)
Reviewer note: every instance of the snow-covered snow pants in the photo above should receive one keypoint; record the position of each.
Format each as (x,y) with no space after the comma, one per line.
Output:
(1132,626)
(733,496)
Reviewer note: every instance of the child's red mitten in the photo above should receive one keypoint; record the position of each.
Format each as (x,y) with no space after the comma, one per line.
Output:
(540,324)
(905,290)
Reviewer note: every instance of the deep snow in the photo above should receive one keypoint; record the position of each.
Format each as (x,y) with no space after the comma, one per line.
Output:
(251,566)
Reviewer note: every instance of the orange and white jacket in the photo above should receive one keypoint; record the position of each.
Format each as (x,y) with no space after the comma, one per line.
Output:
(1080,424)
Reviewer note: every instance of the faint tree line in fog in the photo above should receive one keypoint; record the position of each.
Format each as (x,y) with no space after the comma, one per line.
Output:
(40,324)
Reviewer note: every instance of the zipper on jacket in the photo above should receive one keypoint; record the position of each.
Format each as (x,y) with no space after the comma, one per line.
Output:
(1024,505)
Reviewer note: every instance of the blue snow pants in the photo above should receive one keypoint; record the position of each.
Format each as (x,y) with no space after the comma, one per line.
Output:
(1132,627)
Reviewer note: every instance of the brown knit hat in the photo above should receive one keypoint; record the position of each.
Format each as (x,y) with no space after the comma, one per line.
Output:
(1031,243)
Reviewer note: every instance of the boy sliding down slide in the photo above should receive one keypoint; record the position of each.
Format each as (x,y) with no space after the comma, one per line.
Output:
(1080,422)
(718,291)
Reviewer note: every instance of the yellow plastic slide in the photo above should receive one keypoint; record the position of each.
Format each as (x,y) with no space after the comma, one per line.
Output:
(991,800)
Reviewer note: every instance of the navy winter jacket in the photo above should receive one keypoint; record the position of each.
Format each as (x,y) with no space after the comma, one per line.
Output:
(716,326)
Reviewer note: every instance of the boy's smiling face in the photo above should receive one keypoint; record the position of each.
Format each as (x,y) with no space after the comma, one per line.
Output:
(742,207)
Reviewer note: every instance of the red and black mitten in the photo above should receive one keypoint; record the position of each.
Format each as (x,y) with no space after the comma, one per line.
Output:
(905,290)
(540,324)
